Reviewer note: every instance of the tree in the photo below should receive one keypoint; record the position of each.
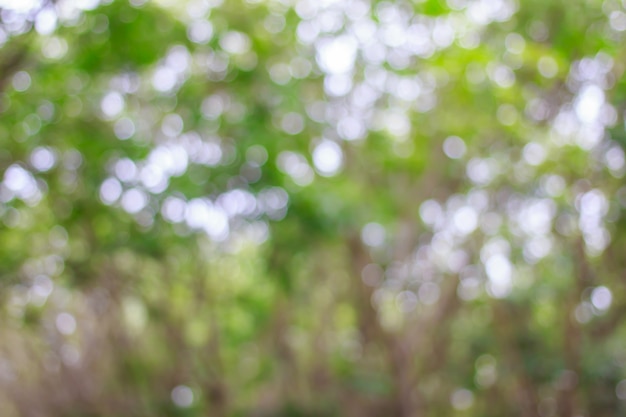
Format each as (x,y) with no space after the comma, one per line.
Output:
(311,208)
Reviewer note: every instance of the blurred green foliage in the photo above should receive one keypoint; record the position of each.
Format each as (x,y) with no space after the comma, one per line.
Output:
(312,208)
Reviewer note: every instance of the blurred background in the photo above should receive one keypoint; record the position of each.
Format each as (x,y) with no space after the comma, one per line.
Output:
(312,208)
